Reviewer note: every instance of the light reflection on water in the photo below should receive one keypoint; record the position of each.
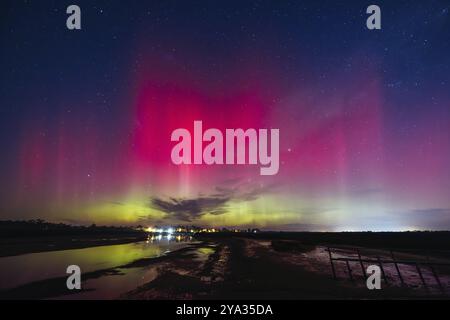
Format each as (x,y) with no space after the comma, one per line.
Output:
(112,286)
(23,269)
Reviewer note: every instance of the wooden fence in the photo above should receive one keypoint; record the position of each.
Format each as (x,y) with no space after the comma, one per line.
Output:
(357,258)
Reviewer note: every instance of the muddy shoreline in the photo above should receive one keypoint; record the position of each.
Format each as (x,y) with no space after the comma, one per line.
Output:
(18,246)
(233,268)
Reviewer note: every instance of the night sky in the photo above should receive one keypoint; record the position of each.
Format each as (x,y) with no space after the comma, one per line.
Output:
(86,115)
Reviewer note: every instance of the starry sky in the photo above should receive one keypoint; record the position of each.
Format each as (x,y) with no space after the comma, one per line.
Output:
(86,115)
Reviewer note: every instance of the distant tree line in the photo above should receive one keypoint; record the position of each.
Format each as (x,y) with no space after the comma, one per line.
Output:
(39,227)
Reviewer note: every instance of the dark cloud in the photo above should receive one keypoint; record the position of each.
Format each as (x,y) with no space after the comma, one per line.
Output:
(189,209)
(116,203)
(421,219)
(244,192)
(430,218)
(434,212)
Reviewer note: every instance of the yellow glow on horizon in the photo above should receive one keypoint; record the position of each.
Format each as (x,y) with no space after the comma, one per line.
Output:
(267,211)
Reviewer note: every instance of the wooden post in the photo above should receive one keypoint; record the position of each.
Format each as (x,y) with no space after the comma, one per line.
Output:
(421,276)
(396,267)
(349,270)
(437,279)
(331,261)
(382,269)
(435,275)
(361,263)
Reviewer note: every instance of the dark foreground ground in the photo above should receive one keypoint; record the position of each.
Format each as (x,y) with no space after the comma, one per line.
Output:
(260,267)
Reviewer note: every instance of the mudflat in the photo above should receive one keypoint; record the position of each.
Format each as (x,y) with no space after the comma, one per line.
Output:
(243,267)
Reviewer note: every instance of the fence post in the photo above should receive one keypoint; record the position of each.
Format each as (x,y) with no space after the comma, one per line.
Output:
(421,276)
(382,269)
(396,267)
(435,275)
(331,261)
(361,263)
(437,279)
(349,270)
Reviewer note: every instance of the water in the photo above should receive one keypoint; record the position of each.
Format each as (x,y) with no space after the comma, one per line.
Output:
(23,269)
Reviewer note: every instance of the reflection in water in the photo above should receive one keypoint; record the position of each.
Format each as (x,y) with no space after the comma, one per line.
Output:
(22,269)
(203,253)
(112,286)
(168,237)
